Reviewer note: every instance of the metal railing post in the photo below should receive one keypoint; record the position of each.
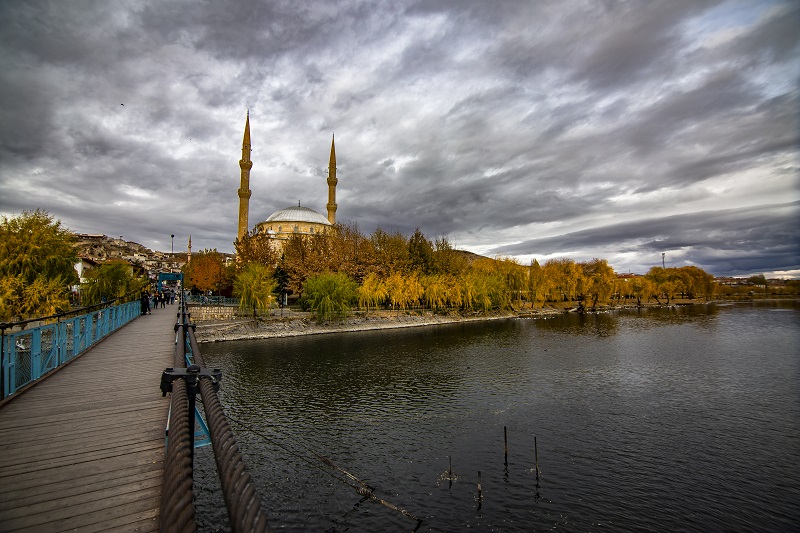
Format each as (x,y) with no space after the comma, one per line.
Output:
(3,327)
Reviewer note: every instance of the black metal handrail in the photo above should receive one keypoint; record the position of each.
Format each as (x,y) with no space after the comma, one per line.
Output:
(241,498)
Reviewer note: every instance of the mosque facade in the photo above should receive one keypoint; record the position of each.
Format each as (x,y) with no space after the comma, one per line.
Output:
(292,220)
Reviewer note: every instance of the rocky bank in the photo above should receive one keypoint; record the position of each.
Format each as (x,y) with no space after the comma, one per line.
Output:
(305,325)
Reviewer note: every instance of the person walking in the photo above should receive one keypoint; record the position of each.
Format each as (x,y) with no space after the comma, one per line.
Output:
(145,302)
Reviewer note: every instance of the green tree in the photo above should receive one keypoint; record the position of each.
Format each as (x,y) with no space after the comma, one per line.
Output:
(758,280)
(37,265)
(254,286)
(113,279)
(330,295)
(420,252)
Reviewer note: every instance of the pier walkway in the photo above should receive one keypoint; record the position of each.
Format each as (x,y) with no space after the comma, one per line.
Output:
(83,450)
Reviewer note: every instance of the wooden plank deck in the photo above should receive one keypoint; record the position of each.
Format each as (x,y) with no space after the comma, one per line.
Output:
(83,450)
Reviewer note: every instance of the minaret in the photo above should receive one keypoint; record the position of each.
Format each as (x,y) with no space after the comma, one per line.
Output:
(332,181)
(244,189)
(189,253)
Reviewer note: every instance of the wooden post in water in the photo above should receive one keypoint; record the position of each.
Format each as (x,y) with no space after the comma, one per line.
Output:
(505,440)
(536,455)
(450,472)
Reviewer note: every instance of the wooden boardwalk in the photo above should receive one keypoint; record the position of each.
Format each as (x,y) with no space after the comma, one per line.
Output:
(83,450)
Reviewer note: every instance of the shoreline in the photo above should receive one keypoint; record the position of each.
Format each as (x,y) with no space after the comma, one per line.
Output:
(298,324)
(305,325)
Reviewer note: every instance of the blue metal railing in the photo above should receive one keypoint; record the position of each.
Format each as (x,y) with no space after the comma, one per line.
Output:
(28,355)
(210,300)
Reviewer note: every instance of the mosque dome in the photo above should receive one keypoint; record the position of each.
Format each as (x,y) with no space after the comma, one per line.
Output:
(297,213)
(293,221)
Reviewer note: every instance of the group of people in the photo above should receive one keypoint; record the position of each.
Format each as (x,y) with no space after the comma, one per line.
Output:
(152,301)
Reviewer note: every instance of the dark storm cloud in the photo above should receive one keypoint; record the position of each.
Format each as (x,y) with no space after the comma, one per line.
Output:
(490,122)
(739,239)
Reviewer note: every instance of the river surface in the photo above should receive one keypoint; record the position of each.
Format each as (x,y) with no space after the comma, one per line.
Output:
(681,419)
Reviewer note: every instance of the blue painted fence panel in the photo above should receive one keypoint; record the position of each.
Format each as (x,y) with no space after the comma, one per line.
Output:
(29,354)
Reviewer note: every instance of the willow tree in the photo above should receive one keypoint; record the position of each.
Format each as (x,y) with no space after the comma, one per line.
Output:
(597,282)
(113,279)
(372,291)
(255,285)
(37,265)
(404,290)
(537,284)
(330,295)
(436,291)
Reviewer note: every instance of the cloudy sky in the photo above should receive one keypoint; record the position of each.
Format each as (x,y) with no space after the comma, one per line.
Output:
(532,129)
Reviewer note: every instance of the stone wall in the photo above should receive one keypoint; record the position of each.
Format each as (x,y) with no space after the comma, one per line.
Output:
(205,313)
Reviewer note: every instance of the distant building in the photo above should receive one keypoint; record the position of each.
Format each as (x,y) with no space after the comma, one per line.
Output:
(294,220)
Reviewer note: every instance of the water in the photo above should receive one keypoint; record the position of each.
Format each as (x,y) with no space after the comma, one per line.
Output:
(684,419)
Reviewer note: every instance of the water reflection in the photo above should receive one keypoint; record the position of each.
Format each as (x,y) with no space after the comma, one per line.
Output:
(645,420)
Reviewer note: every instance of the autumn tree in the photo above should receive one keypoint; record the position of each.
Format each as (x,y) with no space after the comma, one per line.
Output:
(698,282)
(256,247)
(113,279)
(597,282)
(689,281)
(304,256)
(391,253)
(537,286)
(563,278)
(206,271)
(436,290)
(446,259)
(37,265)
(641,287)
(513,278)
(372,291)
(254,286)
(349,251)
(404,290)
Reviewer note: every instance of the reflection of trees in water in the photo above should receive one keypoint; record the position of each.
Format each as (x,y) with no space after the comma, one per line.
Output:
(595,324)
(700,315)
(607,323)
(328,374)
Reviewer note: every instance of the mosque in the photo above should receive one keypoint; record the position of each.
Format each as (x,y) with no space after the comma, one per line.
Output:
(292,220)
